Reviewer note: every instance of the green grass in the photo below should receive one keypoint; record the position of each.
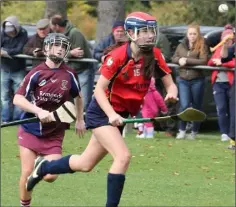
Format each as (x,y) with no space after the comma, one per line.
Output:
(163,172)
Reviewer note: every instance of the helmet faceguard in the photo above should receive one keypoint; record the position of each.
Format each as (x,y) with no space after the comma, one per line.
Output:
(142,29)
(57,47)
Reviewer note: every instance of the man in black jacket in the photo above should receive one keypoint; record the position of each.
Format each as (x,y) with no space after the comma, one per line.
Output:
(35,43)
(13,39)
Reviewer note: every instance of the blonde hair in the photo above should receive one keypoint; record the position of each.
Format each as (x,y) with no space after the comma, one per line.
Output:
(199,45)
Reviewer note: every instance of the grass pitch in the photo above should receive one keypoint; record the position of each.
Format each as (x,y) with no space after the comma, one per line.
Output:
(163,172)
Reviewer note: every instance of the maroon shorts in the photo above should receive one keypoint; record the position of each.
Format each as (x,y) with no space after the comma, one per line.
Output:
(43,146)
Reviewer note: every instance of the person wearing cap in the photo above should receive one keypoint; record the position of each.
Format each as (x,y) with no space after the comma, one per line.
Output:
(222,82)
(34,45)
(13,39)
(117,36)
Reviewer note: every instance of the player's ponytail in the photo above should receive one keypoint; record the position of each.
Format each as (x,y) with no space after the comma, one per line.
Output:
(112,47)
(149,64)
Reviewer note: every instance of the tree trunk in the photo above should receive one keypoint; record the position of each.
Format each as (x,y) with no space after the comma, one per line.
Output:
(55,7)
(108,13)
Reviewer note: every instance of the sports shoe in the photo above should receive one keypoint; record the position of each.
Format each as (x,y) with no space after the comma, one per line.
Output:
(224,138)
(192,136)
(35,176)
(140,136)
(181,134)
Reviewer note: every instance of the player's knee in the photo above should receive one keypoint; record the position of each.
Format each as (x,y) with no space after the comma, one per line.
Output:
(123,159)
(50,178)
(87,168)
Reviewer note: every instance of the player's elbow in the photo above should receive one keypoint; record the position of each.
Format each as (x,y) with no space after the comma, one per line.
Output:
(16,99)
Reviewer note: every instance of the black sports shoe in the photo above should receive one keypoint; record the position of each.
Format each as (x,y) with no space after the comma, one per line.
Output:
(35,177)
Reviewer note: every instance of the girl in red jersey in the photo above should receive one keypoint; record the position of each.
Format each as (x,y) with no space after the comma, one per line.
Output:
(45,88)
(124,81)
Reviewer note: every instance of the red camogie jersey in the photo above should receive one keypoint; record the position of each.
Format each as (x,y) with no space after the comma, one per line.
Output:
(48,89)
(128,85)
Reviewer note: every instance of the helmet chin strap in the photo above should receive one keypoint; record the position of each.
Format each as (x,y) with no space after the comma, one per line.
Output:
(146,48)
(55,59)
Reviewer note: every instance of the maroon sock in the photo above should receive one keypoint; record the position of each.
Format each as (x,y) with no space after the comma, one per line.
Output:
(25,203)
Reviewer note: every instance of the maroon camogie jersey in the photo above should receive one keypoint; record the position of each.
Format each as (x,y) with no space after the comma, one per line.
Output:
(48,89)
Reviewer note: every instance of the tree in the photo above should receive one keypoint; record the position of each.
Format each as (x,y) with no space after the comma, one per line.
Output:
(56,7)
(207,13)
(35,10)
(108,13)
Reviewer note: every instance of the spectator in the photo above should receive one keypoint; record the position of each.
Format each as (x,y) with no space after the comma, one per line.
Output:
(117,36)
(227,55)
(80,49)
(222,82)
(34,46)
(232,116)
(13,39)
(153,105)
(191,82)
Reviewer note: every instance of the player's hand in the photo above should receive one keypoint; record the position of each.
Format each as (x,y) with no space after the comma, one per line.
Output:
(4,53)
(44,116)
(171,98)
(115,120)
(80,128)
(36,52)
(77,52)
(217,61)
(182,61)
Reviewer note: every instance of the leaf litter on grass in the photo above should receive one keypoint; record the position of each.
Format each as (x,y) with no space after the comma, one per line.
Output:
(169,173)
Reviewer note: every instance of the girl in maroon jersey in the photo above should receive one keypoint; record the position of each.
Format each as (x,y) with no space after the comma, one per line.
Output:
(43,90)
(124,81)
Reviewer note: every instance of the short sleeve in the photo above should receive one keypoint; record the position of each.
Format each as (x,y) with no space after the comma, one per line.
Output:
(28,84)
(75,85)
(109,67)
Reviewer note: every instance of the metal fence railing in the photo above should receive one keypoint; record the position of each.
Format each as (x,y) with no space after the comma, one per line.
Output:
(91,60)
(175,68)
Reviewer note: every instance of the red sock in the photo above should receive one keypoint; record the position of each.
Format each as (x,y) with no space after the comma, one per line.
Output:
(25,203)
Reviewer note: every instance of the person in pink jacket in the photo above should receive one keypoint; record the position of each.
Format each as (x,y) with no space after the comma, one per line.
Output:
(152,106)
